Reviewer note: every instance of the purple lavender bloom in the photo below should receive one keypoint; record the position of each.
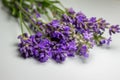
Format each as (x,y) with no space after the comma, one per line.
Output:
(102,41)
(58,51)
(80,30)
(71,48)
(87,36)
(83,51)
(71,11)
(92,20)
(57,36)
(25,46)
(80,17)
(36,38)
(55,23)
(102,24)
(67,19)
(58,56)
(43,57)
(66,31)
(42,50)
(66,28)
(114,29)
(97,26)
(108,41)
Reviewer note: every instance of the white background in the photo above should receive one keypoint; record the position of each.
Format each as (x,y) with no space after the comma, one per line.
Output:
(103,63)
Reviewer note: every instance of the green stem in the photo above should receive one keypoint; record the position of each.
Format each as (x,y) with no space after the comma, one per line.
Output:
(24,13)
(61,4)
(32,23)
(20,14)
(27,28)
(49,18)
(22,9)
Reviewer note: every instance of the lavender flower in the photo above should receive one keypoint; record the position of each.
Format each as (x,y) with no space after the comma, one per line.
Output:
(114,29)
(42,50)
(66,19)
(55,23)
(108,41)
(71,11)
(71,48)
(102,41)
(58,36)
(43,57)
(87,36)
(59,57)
(25,46)
(83,51)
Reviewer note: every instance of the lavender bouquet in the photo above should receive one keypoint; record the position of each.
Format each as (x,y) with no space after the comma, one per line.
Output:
(57,33)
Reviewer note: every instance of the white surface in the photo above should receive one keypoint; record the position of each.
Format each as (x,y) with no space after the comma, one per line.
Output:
(103,64)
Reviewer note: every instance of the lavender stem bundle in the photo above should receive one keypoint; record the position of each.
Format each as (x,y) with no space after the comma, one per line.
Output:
(66,34)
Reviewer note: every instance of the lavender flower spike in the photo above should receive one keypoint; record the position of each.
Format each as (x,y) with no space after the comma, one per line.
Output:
(114,29)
